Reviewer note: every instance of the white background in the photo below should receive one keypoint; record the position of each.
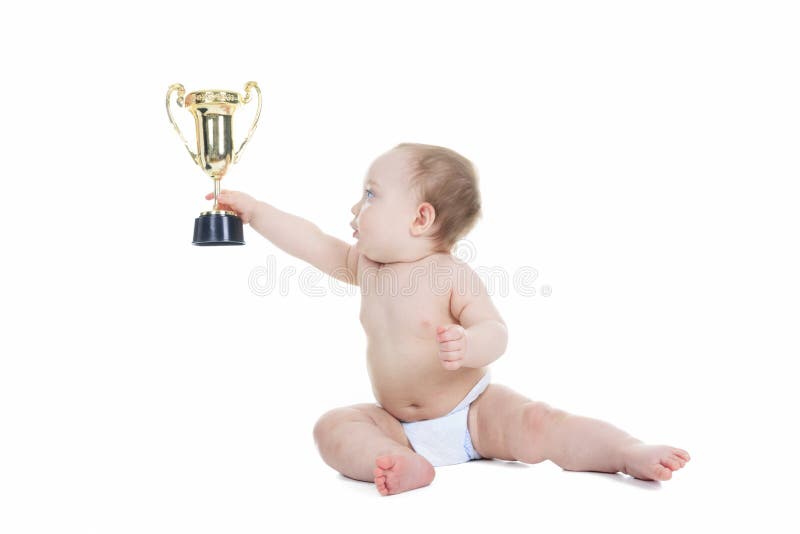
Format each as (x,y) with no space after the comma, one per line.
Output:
(641,156)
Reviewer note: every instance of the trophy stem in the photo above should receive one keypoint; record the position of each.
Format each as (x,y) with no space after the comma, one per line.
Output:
(216,193)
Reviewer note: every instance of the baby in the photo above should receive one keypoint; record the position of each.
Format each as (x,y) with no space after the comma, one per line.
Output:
(432,331)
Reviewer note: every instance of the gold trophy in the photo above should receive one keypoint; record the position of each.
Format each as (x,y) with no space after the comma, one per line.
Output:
(213,118)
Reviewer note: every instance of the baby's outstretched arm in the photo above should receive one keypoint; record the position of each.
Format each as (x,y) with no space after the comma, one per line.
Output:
(296,236)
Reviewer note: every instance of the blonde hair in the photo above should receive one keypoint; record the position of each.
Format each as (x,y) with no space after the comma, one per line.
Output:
(450,183)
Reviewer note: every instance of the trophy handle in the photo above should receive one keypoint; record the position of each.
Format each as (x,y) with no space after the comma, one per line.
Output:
(247,88)
(181,93)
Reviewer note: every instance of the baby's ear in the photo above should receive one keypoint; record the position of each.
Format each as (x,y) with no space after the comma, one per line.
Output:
(425,216)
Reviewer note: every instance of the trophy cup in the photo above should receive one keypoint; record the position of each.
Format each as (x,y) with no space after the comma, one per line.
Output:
(213,118)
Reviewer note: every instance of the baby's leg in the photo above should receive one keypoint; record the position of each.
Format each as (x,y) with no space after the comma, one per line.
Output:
(579,443)
(507,425)
(365,442)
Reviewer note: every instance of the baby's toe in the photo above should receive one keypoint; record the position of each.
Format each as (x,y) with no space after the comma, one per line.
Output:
(661,473)
(384,462)
(673,462)
(683,454)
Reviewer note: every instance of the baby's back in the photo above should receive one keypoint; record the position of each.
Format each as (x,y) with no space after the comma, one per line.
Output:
(401,306)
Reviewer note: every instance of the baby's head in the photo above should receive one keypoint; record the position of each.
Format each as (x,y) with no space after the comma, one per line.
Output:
(417,200)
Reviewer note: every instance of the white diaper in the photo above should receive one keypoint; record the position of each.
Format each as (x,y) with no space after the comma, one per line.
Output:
(446,440)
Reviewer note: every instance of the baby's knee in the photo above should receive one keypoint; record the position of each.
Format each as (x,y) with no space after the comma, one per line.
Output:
(538,417)
(325,422)
(532,444)
(332,419)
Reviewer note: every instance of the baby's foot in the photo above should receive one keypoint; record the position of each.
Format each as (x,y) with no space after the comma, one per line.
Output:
(653,462)
(395,473)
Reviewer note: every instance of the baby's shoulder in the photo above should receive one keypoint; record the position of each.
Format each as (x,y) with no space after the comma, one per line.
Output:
(452,270)
(454,263)
(460,275)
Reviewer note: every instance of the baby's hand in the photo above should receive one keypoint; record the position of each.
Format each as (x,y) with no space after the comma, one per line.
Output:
(243,204)
(452,345)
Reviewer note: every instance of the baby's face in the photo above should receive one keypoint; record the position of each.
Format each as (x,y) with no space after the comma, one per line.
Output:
(385,214)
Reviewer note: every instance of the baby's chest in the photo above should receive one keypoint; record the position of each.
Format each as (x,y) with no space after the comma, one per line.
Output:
(405,309)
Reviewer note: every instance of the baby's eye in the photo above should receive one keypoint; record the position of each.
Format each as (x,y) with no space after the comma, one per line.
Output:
(369,192)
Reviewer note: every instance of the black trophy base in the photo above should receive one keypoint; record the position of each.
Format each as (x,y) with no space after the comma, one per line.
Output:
(216,228)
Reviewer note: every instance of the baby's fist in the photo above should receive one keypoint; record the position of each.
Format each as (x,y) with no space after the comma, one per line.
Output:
(452,345)
(241,203)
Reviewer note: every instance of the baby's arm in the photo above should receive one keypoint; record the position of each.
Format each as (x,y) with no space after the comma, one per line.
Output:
(294,235)
(484,337)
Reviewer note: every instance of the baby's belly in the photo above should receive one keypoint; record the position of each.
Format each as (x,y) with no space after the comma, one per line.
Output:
(411,384)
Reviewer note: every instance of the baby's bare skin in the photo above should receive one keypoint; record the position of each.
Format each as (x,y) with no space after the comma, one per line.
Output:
(431,330)
(400,311)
